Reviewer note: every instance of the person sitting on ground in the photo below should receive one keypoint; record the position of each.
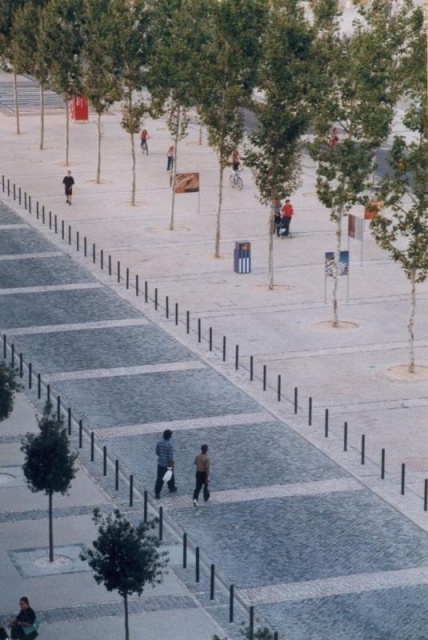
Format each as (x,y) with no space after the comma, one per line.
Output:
(24,620)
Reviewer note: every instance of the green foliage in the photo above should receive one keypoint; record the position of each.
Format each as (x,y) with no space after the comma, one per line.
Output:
(9,386)
(49,464)
(261,633)
(125,558)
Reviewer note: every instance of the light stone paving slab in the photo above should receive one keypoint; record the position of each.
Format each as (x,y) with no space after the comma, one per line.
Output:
(35,562)
(6,227)
(186,425)
(122,371)
(357,583)
(31,256)
(78,326)
(272,491)
(53,287)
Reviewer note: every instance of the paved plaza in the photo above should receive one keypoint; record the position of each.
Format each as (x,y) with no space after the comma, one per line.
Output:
(315,540)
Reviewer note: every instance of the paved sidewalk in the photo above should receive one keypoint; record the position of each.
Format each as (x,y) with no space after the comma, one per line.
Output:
(350,372)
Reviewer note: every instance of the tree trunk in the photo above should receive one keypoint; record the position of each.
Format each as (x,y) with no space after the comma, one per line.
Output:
(336,269)
(42,117)
(15,96)
(134,171)
(174,168)
(271,235)
(51,542)
(98,178)
(125,606)
(67,132)
(412,322)
(220,202)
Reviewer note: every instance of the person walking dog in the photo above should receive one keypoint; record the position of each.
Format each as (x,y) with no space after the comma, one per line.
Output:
(203,465)
(165,454)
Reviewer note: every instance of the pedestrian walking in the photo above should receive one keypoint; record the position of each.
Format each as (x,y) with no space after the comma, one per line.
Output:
(333,140)
(277,215)
(203,465)
(144,136)
(165,454)
(68,182)
(22,627)
(286,215)
(170,159)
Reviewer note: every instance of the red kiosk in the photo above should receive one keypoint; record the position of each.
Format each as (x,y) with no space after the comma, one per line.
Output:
(79,109)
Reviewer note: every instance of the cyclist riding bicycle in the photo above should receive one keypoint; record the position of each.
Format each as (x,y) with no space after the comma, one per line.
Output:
(236,161)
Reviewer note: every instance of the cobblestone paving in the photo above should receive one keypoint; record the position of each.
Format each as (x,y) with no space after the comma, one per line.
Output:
(40,514)
(7,216)
(286,524)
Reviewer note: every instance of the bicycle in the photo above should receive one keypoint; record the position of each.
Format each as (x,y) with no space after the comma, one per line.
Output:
(236,181)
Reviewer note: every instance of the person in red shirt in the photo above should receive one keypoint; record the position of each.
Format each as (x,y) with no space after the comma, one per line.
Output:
(144,136)
(286,215)
(333,140)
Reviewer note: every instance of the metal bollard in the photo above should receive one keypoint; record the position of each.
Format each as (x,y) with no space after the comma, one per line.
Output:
(264,377)
(160,524)
(363,449)
(104,460)
(48,392)
(156,299)
(131,491)
(231,602)
(109,265)
(184,550)
(210,339)
(58,408)
(279,388)
(50,219)
(56,223)
(69,234)
(212,581)
(425,495)
(118,271)
(4,347)
(187,321)
(94,253)
(77,241)
(21,365)
(127,277)
(63,229)
(116,475)
(224,348)
(101,259)
(326,424)
(167,307)
(345,436)
(92,446)
(296,392)
(12,356)
(39,386)
(30,375)
(145,507)
(310,412)
(176,313)
(403,477)
(251,368)
(85,246)
(197,563)
(137,286)
(146,291)
(237,357)
(251,628)
(199,330)
(80,434)
(69,420)
(382,465)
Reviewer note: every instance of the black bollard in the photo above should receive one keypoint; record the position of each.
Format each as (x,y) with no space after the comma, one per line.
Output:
(14,191)
(8,192)
(310,412)
(199,330)
(363,449)
(80,434)
(101,259)
(109,265)
(30,375)
(224,348)
(275,635)
(127,277)
(131,491)
(21,365)
(69,234)
(231,602)
(146,501)
(326,424)
(237,357)
(425,495)
(212,581)
(156,299)
(56,223)
(403,477)
(12,356)
(137,286)
(48,392)
(58,408)
(146,291)
(43,214)
(92,446)
(77,240)
(264,377)
(50,219)
(382,465)
(184,550)
(62,229)
(210,338)
(116,475)
(345,436)
(251,368)
(85,246)
(167,307)
(104,460)
(176,313)
(118,271)
(69,420)
(160,524)
(94,253)
(19,199)
(29,204)
(197,571)
(4,347)
(251,629)
(37,204)
(296,393)
(279,388)
(187,321)
(39,386)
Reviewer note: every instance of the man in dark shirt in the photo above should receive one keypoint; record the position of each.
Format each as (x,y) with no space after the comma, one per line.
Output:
(165,454)
(202,463)
(68,182)
(25,618)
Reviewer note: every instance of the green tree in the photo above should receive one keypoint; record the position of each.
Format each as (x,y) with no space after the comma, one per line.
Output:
(125,558)
(402,230)
(131,54)
(357,89)
(8,9)
(62,48)
(28,37)
(49,464)
(227,75)
(177,30)
(284,79)
(99,83)
(9,386)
